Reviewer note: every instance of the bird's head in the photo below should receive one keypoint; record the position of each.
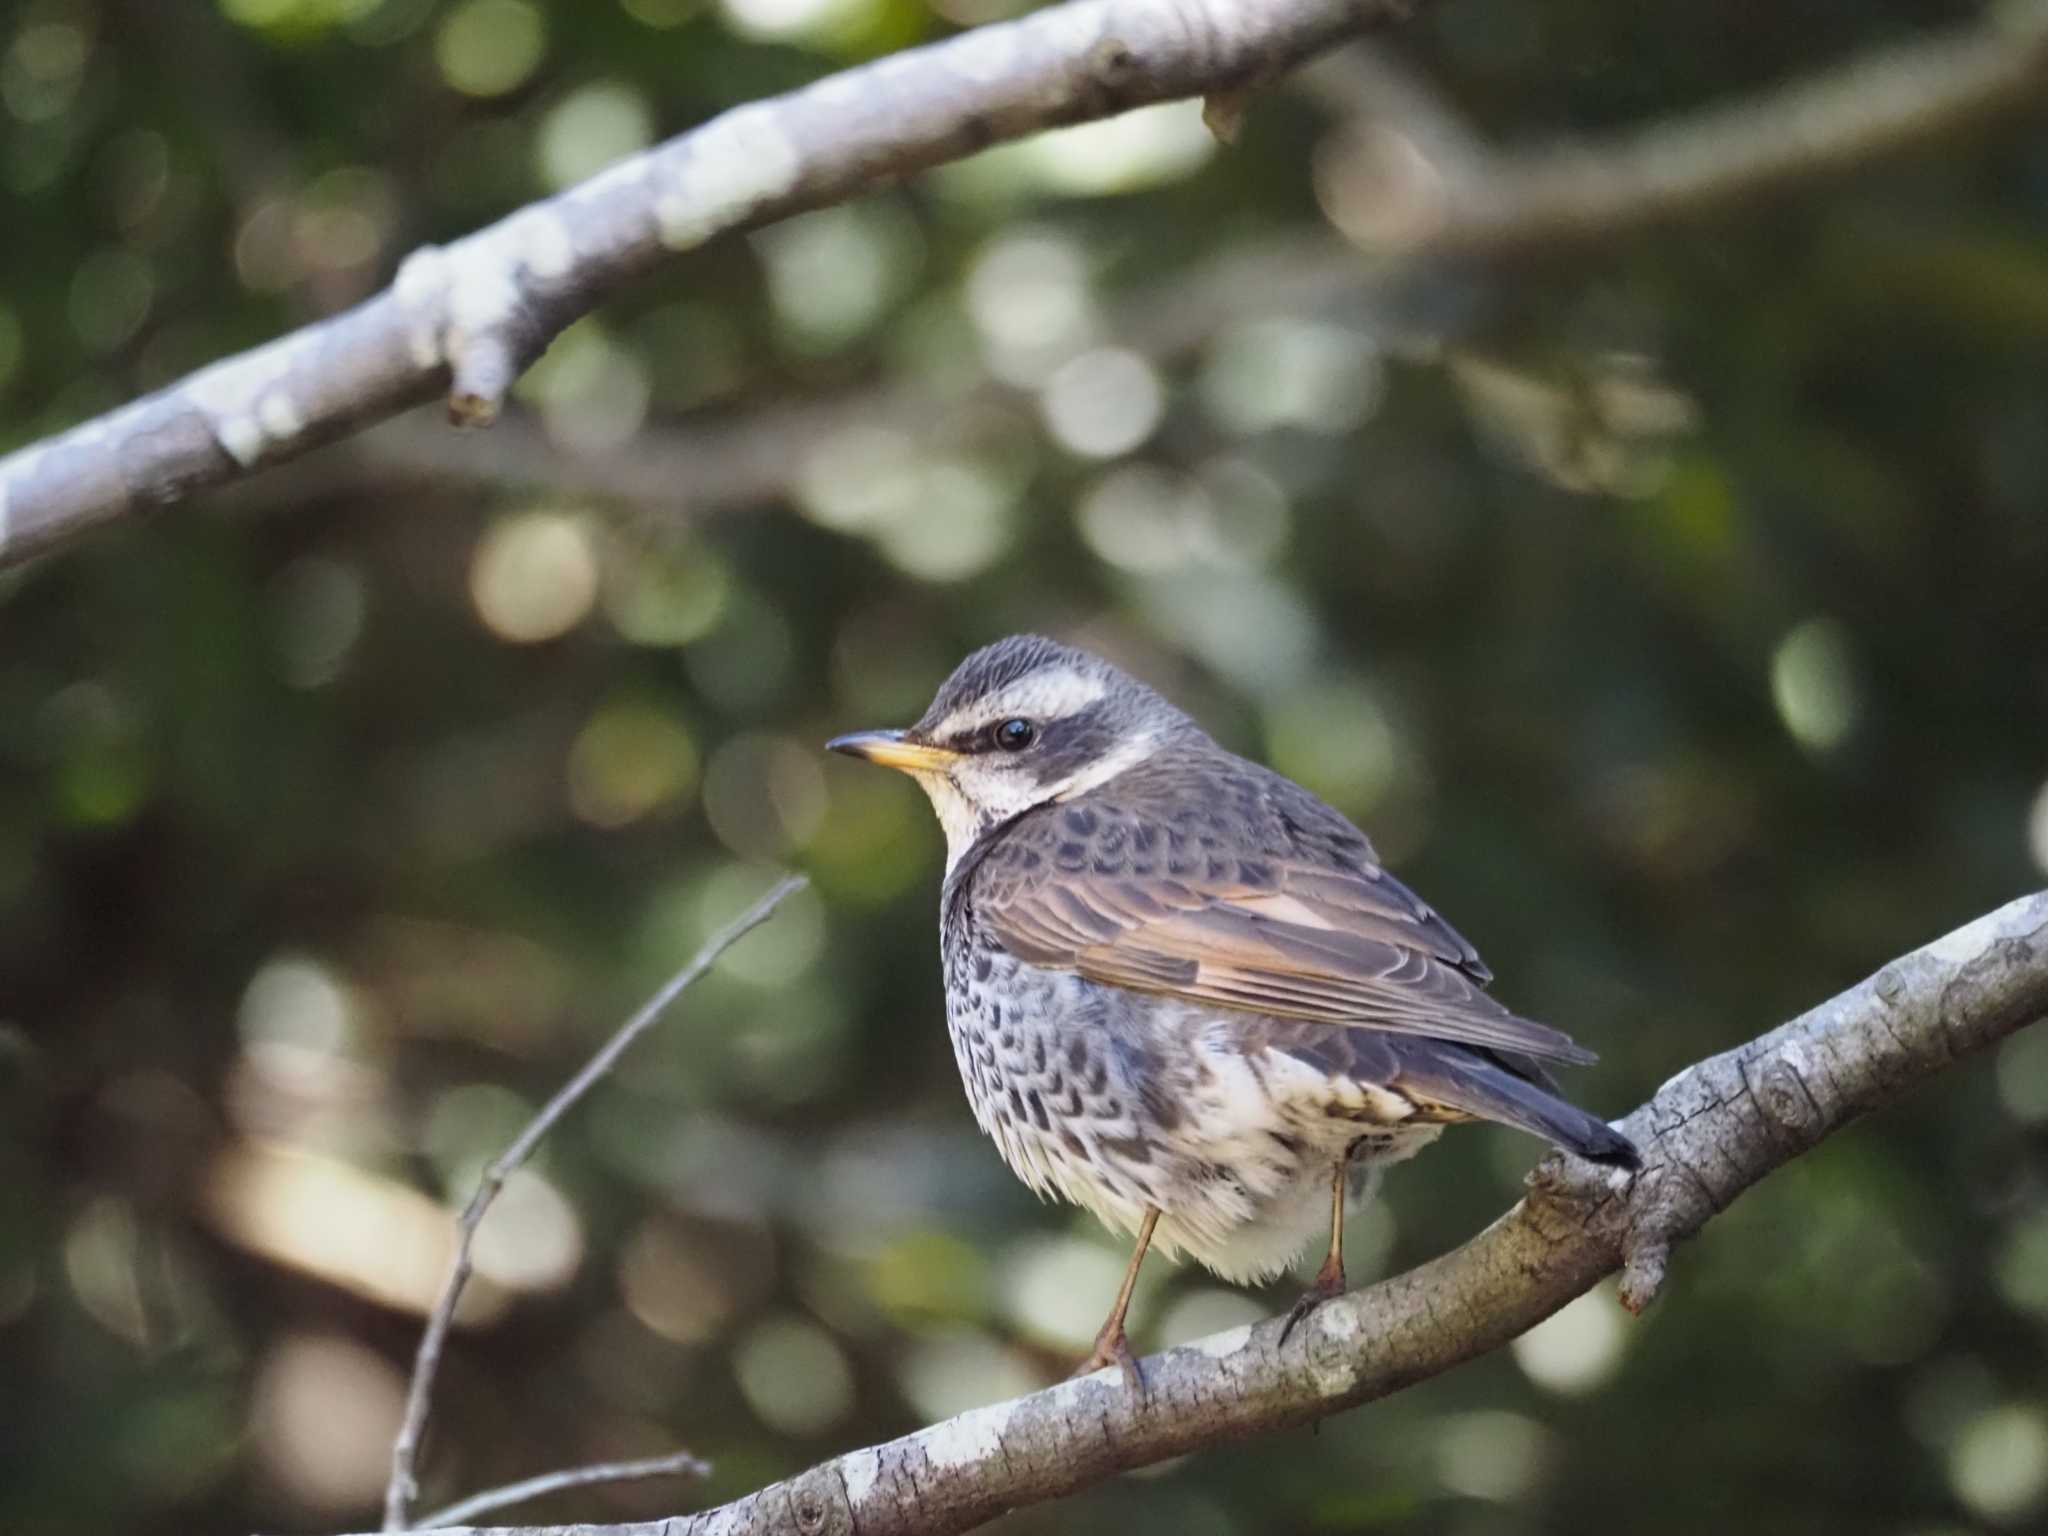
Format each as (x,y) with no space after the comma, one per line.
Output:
(1020,723)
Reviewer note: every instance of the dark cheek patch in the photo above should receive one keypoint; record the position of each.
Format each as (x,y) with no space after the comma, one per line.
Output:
(1067,746)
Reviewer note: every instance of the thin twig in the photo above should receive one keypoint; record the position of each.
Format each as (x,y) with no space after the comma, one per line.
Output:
(403,1487)
(462,1511)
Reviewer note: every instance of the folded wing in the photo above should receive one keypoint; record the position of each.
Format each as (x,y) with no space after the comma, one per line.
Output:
(1279,936)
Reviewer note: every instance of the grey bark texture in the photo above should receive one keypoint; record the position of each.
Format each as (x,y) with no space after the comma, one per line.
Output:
(1708,1134)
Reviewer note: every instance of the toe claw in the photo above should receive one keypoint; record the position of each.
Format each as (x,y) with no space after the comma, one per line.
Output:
(1115,1351)
(1329,1282)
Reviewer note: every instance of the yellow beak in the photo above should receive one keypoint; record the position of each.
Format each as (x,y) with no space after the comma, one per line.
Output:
(890,750)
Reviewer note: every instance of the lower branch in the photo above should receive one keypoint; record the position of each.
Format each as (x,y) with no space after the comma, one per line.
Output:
(1708,1134)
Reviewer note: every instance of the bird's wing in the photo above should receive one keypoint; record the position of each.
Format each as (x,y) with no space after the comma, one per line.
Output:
(1129,901)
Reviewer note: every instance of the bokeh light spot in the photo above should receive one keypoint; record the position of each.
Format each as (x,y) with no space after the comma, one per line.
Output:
(961,1368)
(592,389)
(1053,1287)
(1103,403)
(832,273)
(794,1376)
(629,760)
(670,1287)
(797,20)
(1998,1465)
(323,1413)
(296,1001)
(1576,1349)
(1813,683)
(1141,517)
(1029,298)
(1491,1455)
(957,526)
(489,47)
(764,795)
(1291,373)
(532,1240)
(666,597)
(590,128)
(533,576)
(1146,148)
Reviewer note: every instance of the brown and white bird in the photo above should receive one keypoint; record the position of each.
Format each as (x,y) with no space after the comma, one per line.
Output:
(1181,989)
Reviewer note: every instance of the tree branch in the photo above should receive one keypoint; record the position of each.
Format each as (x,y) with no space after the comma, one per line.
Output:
(469,317)
(1708,1134)
(1419,189)
(1869,107)
(404,1486)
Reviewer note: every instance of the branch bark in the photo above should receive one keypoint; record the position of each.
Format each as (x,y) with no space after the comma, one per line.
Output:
(469,317)
(1708,1134)
(1418,190)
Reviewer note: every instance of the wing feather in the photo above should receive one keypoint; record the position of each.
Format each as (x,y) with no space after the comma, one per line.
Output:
(1279,935)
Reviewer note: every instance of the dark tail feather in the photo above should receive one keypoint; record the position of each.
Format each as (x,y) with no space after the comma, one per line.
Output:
(1465,1080)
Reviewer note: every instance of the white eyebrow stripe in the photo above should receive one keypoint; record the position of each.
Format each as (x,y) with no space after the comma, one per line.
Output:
(1051,693)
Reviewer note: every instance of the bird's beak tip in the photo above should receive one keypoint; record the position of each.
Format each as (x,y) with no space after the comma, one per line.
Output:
(858,743)
(891,750)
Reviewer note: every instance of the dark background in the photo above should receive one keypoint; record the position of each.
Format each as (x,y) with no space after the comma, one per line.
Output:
(1670,609)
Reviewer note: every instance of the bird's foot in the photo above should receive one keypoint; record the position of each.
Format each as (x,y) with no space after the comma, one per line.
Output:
(1329,1282)
(1112,1348)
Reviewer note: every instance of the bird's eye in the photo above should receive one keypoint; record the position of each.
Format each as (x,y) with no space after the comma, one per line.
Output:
(1015,735)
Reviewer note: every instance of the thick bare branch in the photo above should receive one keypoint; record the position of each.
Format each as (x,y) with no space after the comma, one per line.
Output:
(1418,189)
(1707,1135)
(470,316)
(404,1486)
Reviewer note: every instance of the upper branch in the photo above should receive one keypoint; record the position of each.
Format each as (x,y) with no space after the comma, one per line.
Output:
(470,316)
(1417,190)
(1707,1135)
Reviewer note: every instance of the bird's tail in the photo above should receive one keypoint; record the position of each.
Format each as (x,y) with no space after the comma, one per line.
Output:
(1465,1080)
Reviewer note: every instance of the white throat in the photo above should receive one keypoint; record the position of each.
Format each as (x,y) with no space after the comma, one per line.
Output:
(999,798)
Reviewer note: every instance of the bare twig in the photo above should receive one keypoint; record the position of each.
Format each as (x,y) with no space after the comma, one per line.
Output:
(1710,1133)
(403,1487)
(470,317)
(1869,107)
(462,1511)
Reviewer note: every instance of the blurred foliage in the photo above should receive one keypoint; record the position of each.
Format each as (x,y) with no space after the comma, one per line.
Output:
(1679,627)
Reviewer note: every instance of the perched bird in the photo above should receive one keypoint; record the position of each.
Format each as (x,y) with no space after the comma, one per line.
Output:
(1181,989)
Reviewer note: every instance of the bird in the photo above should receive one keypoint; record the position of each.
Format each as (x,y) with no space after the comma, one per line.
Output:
(1182,991)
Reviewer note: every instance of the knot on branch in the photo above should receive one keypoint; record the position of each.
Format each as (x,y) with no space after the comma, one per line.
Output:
(478,306)
(1779,1088)
(818,1504)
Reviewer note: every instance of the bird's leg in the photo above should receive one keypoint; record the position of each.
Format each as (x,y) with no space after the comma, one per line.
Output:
(1111,1347)
(1329,1279)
